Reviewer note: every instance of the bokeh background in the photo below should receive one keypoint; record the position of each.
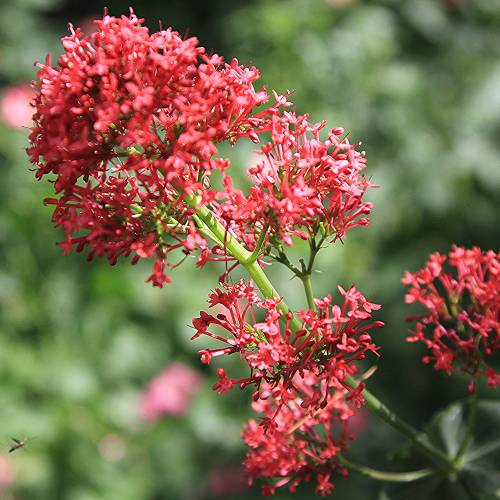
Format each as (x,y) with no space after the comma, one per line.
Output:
(417,82)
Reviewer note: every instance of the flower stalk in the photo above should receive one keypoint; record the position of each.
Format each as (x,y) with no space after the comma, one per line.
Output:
(306,281)
(392,477)
(241,254)
(418,439)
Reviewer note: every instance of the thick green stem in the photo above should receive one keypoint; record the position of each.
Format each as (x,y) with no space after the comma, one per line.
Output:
(203,229)
(240,253)
(419,439)
(393,477)
(306,280)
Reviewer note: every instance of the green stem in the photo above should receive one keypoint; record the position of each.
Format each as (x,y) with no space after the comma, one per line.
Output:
(393,477)
(260,242)
(306,280)
(203,229)
(471,420)
(419,439)
(240,253)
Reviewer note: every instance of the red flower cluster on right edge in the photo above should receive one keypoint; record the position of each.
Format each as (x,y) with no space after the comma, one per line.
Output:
(462,325)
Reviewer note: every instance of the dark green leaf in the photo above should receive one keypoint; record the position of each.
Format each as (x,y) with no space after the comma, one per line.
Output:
(479,477)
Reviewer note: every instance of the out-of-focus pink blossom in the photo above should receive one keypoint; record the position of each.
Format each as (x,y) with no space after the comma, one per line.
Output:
(170,392)
(15,106)
(6,474)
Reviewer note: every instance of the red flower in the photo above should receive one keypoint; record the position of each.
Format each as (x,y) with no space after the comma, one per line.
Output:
(327,345)
(127,124)
(461,328)
(224,384)
(300,446)
(302,184)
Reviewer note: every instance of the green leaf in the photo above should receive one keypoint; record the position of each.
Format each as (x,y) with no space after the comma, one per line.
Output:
(479,475)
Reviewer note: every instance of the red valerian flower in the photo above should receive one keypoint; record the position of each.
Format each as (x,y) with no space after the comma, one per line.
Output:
(303,185)
(301,446)
(327,345)
(461,328)
(127,125)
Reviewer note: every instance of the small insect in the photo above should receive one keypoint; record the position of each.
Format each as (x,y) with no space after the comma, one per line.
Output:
(19,443)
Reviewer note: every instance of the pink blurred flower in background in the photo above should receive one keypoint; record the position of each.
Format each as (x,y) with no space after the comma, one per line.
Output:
(6,474)
(15,108)
(170,392)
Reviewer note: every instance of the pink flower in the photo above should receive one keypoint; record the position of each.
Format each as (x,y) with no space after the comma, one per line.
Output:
(170,392)
(6,474)
(461,325)
(15,107)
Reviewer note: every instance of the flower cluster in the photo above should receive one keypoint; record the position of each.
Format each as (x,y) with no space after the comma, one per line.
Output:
(299,377)
(327,344)
(303,185)
(128,124)
(461,328)
(301,446)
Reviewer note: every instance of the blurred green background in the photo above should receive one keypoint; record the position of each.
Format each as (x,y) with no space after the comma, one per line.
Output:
(417,81)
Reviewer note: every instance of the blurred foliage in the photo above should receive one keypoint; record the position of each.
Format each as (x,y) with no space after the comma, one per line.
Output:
(418,82)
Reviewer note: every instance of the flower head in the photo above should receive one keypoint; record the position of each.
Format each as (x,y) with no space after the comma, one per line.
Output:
(327,345)
(461,326)
(127,124)
(300,446)
(303,185)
